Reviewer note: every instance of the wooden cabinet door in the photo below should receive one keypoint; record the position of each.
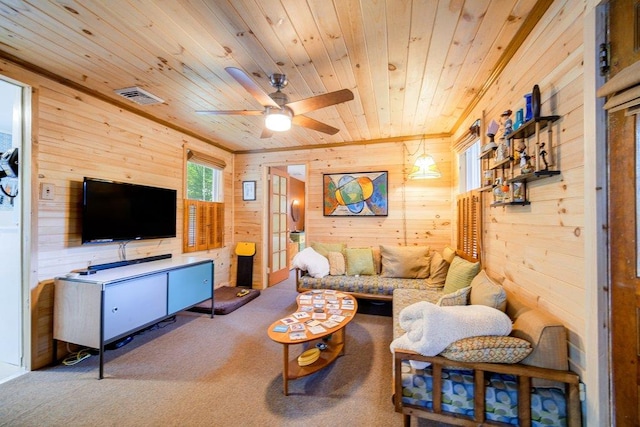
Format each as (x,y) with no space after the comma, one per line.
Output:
(623,140)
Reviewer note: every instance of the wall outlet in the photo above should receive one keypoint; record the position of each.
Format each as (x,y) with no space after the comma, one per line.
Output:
(46,191)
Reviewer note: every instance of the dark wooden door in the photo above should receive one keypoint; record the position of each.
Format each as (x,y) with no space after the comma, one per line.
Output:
(624,135)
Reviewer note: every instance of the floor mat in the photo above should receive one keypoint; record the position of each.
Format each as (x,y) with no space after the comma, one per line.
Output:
(226,300)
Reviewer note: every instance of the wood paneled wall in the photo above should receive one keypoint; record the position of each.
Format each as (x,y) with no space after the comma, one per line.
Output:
(76,135)
(537,251)
(420,211)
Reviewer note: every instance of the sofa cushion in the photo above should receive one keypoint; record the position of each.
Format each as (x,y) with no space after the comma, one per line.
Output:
(459,297)
(407,262)
(336,264)
(485,291)
(359,261)
(461,273)
(324,248)
(488,349)
(438,268)
(547,335)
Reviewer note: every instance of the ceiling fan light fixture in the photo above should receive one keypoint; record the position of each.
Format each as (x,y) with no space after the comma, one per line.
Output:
(425,168)
(278,119)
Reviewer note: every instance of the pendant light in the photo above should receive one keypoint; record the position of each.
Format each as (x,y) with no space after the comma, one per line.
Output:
(425,167)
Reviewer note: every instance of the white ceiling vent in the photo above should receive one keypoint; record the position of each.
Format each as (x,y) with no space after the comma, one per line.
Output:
(139,96)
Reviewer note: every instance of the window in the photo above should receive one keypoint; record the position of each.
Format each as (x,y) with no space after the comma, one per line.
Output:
(204,182)
(203,204)
(469,162)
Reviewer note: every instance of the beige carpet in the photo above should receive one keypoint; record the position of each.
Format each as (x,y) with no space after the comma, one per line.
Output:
(213,372)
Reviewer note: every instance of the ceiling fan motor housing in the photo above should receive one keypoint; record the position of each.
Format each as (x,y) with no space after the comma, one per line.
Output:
(279,98)
(278,80)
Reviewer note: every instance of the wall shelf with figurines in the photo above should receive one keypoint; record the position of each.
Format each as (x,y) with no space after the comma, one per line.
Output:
(520,156)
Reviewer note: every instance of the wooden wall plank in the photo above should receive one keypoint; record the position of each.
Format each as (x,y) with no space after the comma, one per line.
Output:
(420,212)
(78,136)
(537,251)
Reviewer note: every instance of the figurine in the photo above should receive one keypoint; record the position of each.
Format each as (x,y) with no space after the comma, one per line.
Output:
(525,166)
(543,156)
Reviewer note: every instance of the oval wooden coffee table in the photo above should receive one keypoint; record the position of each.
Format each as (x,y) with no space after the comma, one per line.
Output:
(321,318)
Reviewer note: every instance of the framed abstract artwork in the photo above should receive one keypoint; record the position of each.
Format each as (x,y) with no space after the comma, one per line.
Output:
(355,194)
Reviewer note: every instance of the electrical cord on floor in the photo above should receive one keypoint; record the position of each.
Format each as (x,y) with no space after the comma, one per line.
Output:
(85,353)
(162,324)
(76,357)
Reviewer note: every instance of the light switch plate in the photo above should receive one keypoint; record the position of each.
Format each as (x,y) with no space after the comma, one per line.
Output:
(47,191)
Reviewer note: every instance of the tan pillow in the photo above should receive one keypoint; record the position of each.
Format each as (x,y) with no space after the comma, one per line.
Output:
(336,264)
(406,262)
(359,261)
(461,273)
(485,291)
(547,336)
(448,253)
(377,259)
(438,269)
(488,349)
(459,297)
(324,248)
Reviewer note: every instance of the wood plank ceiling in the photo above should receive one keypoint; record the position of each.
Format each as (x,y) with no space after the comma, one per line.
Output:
(415,67)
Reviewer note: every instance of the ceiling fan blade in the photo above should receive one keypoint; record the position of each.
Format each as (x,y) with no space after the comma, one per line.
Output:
(310,123)
(320,101)
(266,133)
(231,112)
(251,87)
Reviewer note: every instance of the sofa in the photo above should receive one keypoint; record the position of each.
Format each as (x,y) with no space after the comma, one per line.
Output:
(514,374)
(372,272)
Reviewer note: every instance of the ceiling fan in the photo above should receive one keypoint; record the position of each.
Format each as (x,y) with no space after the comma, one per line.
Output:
(278,111)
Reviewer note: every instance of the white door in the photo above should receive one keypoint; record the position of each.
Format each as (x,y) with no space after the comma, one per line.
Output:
(10,228)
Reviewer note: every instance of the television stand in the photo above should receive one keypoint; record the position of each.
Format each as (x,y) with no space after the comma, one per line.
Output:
(123,263)
(103,308)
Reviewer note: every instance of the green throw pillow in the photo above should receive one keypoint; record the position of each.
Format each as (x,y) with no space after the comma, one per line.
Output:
(359,261)
(461,273)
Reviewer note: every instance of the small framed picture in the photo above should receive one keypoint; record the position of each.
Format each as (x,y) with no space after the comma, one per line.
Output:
(248,190)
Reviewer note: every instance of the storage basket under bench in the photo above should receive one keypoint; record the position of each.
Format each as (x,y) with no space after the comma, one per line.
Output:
(473,393)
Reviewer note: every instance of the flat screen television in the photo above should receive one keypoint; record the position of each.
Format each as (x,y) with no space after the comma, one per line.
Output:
(116,211)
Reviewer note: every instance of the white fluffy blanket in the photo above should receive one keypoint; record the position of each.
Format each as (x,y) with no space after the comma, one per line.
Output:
(431,328)
(312,262)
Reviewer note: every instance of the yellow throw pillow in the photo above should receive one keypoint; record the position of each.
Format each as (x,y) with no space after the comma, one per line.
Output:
(324,248)
(406,262)
(359,261)
(461,273)
(438,269)
(448,253)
